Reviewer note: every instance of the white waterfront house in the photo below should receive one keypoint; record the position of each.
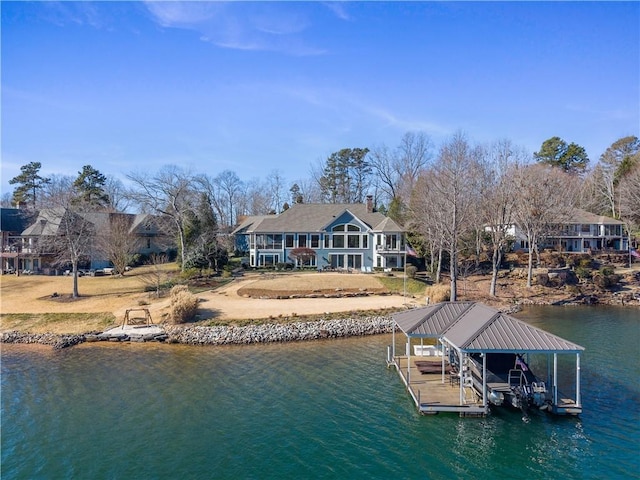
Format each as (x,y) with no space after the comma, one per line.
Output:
(584,232)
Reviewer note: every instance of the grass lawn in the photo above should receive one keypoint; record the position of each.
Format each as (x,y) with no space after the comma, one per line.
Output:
(41,303)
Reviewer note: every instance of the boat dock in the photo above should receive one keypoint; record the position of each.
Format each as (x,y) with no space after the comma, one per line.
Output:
(433,392)
(467,345)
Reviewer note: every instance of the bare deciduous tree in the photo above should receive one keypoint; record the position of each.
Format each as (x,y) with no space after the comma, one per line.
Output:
(66,236)
(117,242)
(170,193)
(629,189)
(545,199)
(398,170)
(450,190)
(228,188)
(498,199)
(157,275)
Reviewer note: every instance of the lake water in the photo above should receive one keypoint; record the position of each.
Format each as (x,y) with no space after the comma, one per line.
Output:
(326,409)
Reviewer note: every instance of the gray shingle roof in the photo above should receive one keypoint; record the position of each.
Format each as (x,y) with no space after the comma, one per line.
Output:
(14,220)
(314,217)
(47,222)
(583,217)
(474,327)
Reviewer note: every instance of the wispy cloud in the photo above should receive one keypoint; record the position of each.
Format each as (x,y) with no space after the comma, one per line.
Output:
(238,25)
(339,9)
(349,104)
(78,13)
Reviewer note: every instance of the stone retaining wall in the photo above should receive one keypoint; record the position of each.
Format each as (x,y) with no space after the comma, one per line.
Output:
(265,333)
(55,340)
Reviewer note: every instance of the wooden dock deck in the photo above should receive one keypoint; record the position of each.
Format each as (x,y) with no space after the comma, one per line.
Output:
(433,395)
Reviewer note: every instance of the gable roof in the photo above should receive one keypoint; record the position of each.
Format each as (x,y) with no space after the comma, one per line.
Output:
(430,321)
(315,217)
(250,223)
(47,222)
(474,327)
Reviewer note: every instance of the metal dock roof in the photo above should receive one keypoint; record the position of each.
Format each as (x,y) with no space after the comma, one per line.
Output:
(474,327)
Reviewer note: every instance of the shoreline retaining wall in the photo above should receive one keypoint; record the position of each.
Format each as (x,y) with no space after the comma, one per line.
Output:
(232,335)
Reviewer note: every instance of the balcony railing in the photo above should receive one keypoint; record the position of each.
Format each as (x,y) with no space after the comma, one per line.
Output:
(389,248)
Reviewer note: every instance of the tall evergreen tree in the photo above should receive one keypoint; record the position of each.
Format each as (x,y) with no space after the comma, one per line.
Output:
(29,183)
(346,176)
(571,158)
(89,187)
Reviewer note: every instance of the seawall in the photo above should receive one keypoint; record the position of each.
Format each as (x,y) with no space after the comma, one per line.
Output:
(232,335)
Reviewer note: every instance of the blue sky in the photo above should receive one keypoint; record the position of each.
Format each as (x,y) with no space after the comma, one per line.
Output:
(257,86)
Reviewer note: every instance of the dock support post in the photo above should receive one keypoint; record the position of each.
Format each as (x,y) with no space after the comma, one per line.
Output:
(393,340)
(555,379)
(484,380)
(578,402)
(408,360)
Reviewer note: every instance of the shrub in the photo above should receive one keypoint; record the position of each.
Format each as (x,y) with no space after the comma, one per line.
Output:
(411,271)
(583,272)
(552,259)
(438,293)
(585,263)
(606,271)
(542,279)
(190,273)
(606,281)
(183,304)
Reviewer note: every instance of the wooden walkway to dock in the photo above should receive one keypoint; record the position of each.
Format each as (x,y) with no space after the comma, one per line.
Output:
(432,395)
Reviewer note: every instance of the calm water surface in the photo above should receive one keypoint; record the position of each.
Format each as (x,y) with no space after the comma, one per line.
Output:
(327,409)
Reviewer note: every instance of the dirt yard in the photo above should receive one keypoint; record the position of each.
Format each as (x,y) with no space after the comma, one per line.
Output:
(35,295)
(254,296)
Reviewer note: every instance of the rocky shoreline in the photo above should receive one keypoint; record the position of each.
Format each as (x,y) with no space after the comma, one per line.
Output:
(272,332)
(232,335)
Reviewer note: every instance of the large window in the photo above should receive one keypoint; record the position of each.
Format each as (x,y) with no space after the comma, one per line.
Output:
(391,242)
(346,261)
(268,260)
(315,241)
(348,240)
(288,240)
(346,228)
(302,240)
(612,230)
(269,241)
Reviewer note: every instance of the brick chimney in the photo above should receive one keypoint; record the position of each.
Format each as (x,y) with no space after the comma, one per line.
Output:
(369,203)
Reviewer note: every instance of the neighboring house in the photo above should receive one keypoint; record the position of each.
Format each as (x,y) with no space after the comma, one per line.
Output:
(337,236)
(22,249)
(584,233)
(12,223)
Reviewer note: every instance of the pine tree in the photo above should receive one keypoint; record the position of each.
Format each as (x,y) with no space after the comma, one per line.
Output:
(30,182)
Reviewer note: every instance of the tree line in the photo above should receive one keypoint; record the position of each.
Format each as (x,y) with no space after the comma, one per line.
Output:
(455,199)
